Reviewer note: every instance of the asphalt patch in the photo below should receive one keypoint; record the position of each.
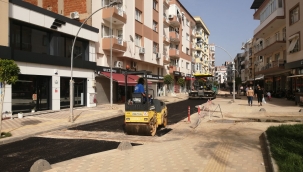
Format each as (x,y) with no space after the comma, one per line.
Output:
(21,155)
(177,112)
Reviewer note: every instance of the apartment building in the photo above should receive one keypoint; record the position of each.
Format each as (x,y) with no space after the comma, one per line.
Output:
(135,35)
(212,59)
(294,47)
(246,73)
(271,42)
(202,48)
(221,74)
(40,42)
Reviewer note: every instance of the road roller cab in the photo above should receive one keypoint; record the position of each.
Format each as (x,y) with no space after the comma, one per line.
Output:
(143,114)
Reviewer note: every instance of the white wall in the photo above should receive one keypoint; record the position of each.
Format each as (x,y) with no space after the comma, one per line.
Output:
(29,16)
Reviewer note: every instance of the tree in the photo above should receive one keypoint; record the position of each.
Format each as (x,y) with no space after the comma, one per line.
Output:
(181,82)
(168,79)
(9,72)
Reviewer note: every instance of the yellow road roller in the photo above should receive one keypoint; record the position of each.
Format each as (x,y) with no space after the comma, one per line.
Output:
(143,113)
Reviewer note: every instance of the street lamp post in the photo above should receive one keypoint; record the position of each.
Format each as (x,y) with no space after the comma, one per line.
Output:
(234,73)
(71,83)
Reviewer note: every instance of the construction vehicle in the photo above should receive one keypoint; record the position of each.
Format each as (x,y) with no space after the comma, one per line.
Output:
(143,116)
(203,88)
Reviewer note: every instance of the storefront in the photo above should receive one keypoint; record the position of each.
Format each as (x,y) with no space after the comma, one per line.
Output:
(79,92)
(103,84)
(31,93)
(176,75)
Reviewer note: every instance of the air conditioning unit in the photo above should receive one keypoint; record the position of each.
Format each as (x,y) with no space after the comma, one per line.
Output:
(74,15)
(134,65)
(118,64)
(142,50)
(170,16)
(158,55)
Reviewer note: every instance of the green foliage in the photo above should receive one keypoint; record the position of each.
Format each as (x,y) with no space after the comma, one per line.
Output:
(286,146)
(181,82)
(168,79)
(9,71)
(5,134)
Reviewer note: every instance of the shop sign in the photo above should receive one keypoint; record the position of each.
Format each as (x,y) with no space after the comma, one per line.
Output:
(155,77)
(107,69)
(176,73)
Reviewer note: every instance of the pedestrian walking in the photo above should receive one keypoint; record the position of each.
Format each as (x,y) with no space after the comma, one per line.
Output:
(260,95)
(250,95)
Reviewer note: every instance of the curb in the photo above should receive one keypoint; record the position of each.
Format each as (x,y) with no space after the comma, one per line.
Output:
(60,127)
(272,163)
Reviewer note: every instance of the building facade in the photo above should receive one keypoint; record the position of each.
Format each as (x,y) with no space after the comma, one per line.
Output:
(40,42)
(202,49)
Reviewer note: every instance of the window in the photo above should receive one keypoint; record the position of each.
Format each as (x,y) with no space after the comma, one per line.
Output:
(155,25)
(155,47)
(29,39)
(294,15)
(187,65)
(187,51)
(187,22)
(138,40)
(277,56)
(155,4)
(138,15)
(187,36)
(277,36)
(105,33)
(284,33)
(294,44)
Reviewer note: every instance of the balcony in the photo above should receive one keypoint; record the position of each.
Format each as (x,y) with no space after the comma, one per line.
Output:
(166,59)
(165,21)
(166,40)
(273,22)
(199,47)
(199,34)
(117,15)
(174,37)
(174,52)
(270,45)
(173,68)
(272,67)
(117,44)
(174,21)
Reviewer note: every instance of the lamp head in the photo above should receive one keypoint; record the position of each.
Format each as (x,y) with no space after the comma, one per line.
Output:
(115,2)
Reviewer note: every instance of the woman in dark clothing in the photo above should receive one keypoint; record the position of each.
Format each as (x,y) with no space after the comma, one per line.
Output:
(259,94)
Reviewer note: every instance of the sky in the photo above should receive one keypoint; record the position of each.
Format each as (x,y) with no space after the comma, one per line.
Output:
(230,23)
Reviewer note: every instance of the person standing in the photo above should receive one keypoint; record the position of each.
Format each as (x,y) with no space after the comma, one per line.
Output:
(259,94)
(268,95)
(250,95)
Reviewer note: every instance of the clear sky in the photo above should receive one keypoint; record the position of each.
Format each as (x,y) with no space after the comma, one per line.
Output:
(230,23)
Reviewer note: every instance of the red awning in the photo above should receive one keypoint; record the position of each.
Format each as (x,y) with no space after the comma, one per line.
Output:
(190,78)
(136,78)
(120,78)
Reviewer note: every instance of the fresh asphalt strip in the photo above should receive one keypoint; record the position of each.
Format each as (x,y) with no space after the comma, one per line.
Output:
(20,155)
(176,113)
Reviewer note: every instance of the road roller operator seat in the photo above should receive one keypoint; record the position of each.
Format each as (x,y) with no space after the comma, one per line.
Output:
(137,98)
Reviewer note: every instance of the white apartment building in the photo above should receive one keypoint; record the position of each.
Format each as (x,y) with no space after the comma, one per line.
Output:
(203,60)
(40,43)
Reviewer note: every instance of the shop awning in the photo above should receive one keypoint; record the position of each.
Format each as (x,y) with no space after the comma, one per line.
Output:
(295,76)
(120,78)
(189,78)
